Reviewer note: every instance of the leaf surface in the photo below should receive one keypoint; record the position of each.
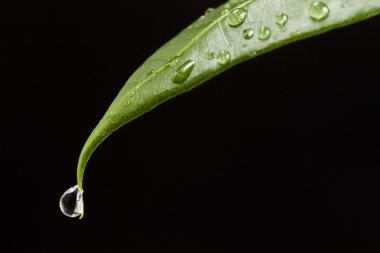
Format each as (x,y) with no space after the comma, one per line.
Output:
(215,42)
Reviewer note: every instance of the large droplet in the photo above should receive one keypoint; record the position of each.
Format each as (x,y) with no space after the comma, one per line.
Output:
(223,57)
(71,202)
(318,11)
(248,33)
(281,19)
(237,17)
(184,71)
(263,33)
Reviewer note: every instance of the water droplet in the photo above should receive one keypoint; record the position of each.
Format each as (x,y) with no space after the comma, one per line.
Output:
(209,10)
(71,202)
(263,33)
(295,33)
(150,72)
(225,11)
(237,17)
(184,72)
(113,117)
(248,33)
(245,44)
(318,11)
(224,57)
(281,19)
(253,53)
(210,55)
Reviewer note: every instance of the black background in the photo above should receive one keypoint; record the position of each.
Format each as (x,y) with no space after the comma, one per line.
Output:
(278,153)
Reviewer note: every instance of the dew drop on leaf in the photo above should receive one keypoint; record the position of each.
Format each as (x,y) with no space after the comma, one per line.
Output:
(210,55)
(248,33)
(223,57)
(225,11)
(295,33)
(237,17)
(71,202)
(150,72)
(209,10)
(183,72)
(281,19)
(318,11)
(263,33)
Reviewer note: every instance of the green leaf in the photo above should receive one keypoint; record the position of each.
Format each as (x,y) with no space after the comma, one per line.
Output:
(232,33)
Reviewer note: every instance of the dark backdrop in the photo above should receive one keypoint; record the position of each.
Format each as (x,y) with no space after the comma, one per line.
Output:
(279,153)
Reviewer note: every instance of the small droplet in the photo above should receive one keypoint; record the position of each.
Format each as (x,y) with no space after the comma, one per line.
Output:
(210,55)
(295,33)
(209,10)
(281,19)
(183,72)
(318,11)
(224,57)
(248,33)
(237,17)
(225,11)
(113,117)
(71,202)
(263,33)
(150,72)
(253,53)
(245,44)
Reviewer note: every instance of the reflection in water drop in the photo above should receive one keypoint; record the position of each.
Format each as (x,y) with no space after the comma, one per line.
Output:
(71,202)
(263,33)
(184,72)
(237,17)
(318,11)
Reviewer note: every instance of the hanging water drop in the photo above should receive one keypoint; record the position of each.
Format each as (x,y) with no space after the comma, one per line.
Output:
(183,72)
(237,17)
(224,57)
(281,19)
(248,33)
(263,33)
(71,202)
(318,11)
